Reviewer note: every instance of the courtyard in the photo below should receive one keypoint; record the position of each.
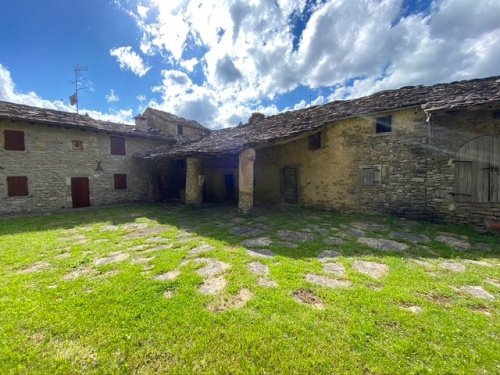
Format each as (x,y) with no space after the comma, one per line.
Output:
(167,288)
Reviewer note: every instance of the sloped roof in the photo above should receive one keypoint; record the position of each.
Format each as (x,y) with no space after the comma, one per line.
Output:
(290,124)
(20,112)
(166,117)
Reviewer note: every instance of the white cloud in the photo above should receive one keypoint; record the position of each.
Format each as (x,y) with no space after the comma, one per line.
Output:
(129,60)
(141,98)
(189,64)
(9,93)
(112,97)
(357,47)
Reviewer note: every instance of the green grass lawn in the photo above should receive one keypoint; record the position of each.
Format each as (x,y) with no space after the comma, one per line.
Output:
(80,293)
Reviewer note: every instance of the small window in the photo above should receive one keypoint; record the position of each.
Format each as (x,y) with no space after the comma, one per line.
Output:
(117,145)
(315,141)
(383,125)
(120,181)
(14,140)
(180,130)
(17,186)
(77,145)
(370,175)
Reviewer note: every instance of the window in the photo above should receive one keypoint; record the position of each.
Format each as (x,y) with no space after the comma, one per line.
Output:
(117,145)
(14,140)
(17,186)
(315,141)
(180,130)
(383,125)
(370,175)
(77,145)
(120,181)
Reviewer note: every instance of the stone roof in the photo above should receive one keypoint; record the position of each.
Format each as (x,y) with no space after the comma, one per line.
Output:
(165,117)
(20,112)
(287,125)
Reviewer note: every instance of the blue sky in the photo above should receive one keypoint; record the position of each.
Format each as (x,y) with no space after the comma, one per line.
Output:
(218,61)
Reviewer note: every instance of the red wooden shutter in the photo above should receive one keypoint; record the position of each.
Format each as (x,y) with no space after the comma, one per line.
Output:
(17,186)
(117,145)
(120,181)
(14,140)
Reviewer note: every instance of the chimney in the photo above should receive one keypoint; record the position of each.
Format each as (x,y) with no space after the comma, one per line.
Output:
(141,123)
(256,117)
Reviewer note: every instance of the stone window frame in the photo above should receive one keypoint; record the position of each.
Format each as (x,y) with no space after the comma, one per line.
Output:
(376,178)
(377,119)
(4,140)
(77,145)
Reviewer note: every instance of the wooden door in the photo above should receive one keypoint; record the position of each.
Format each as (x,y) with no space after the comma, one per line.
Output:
(290,185)
(477,177)
(80,192)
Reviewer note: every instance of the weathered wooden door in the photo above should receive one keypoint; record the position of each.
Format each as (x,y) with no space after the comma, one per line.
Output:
(290,185)
(477,171)
(80,192)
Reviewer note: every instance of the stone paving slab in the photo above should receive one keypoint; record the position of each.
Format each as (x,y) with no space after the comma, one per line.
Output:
(478,292)
(168,276)
(370,226)
(326,281)
(410,237)
(290,235)
(213,285)
(236,301)
(372,269)
(383,244)
(113,258)
(257,242)
(454,242)
(328,255)
(452,266)
(336,269)
(258,268)
(333,241)
(213,268)
(260,253)
(201,249)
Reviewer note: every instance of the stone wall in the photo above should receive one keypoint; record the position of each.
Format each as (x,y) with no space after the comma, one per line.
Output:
(168,128)
(449,132)
(415,161)
(330,176)
(49,162)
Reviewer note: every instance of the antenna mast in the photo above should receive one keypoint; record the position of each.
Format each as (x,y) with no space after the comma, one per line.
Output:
(78,82)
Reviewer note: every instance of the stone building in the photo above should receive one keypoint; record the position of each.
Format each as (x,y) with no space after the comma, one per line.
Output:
(422,151)
(419,151)
(51,160)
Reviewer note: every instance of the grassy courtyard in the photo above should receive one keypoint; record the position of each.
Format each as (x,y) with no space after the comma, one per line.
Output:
(155,289)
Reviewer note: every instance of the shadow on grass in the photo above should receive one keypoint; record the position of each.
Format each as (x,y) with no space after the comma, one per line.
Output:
(215,222)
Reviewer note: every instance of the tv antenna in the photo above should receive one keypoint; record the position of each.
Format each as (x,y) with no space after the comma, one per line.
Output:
(79,84)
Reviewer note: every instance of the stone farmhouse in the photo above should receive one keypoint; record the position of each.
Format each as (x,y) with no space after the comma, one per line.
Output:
(421,151)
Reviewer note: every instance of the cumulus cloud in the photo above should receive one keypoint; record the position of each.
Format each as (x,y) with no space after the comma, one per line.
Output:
(141,98)
(112,97)
(252,52)
(129,60)
(9,93)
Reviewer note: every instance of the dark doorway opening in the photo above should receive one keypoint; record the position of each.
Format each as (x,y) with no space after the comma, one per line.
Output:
(80,192)
(290,185)
(173,186)
(230,188)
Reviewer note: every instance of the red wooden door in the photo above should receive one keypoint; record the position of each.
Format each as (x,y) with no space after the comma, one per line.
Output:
(80,192)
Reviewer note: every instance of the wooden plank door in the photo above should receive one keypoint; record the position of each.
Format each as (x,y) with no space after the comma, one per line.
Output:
(290,185)
(80,192)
